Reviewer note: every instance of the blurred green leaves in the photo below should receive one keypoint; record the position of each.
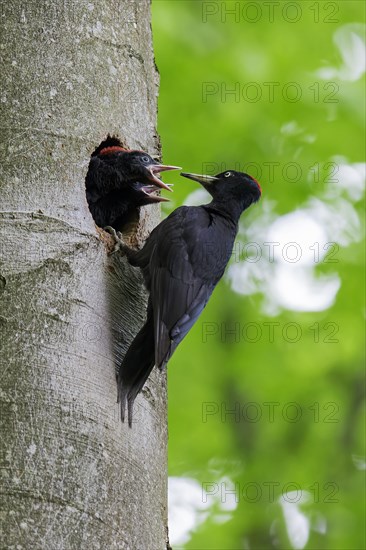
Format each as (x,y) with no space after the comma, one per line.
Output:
(260,393)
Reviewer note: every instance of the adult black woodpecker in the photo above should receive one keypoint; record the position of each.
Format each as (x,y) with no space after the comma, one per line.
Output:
(182,261)
(119,181)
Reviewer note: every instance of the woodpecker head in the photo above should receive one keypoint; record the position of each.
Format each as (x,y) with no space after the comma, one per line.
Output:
(110,143)
(140,167)
(137,170)
(229,185)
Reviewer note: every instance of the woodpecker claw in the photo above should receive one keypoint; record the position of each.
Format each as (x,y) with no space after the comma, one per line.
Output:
(117,236)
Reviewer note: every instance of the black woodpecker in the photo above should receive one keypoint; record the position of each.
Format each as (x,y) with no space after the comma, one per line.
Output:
(182,261)
(120,181)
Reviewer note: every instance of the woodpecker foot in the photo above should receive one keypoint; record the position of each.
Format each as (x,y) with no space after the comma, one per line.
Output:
(119,242)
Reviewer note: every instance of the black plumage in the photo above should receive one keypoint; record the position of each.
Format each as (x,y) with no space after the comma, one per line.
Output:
(119,182)
(182,261)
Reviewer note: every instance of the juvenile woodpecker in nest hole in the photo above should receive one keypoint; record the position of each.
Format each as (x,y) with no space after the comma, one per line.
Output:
(120,181)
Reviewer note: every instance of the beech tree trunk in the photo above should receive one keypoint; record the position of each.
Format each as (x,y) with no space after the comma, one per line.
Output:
(73,476)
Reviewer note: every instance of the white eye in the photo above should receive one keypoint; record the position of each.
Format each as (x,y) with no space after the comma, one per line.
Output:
(227,174)
(145,159)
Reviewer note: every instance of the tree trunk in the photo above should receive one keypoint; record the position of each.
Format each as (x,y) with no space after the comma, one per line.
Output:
(73,476)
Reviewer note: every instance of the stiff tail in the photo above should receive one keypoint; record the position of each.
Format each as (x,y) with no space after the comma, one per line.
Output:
(136,367)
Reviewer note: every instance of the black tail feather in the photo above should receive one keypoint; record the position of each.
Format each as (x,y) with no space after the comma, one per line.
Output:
(136,367)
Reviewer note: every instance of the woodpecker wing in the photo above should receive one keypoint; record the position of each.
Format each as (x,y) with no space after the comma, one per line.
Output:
(185,263)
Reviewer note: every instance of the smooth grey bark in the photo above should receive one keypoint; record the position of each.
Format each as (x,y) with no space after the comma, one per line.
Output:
(73,476)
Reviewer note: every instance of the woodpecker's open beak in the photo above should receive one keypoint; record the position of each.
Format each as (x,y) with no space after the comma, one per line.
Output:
(149,190)
(204,180)
(156,169)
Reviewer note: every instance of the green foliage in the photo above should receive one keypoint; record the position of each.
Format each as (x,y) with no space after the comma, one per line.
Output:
(296,392)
